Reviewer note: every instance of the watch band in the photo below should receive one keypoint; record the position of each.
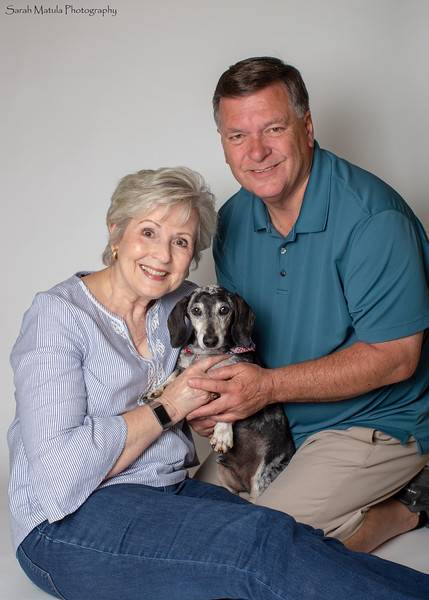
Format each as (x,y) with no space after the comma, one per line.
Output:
(161,414)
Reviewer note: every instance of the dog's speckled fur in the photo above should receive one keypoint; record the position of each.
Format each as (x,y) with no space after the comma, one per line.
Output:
(252,451)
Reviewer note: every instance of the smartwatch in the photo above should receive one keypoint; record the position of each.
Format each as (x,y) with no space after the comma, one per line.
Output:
(161,414)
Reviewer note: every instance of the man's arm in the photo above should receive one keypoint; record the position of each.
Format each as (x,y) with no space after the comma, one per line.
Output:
(245,388)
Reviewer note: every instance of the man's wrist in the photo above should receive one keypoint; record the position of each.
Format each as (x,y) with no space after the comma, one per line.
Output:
(270,386)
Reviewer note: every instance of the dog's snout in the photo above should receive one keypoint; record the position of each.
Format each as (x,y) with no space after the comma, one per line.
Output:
(210,340)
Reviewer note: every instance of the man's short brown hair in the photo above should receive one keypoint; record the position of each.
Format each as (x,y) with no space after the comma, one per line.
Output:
(253,74)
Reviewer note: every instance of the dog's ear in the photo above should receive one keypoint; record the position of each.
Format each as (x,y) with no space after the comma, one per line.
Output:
(179,332)
(242,323)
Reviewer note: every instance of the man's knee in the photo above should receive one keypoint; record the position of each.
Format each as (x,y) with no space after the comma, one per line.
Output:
(318,508)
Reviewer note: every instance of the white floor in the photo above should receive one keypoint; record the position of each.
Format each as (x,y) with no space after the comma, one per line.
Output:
(411,549)
(14,584)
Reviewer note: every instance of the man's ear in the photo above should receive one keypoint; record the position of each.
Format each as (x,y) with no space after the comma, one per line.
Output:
(223,147)
(309,128)
(179,333)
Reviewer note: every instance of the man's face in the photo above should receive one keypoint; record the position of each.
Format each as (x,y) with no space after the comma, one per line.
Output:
(267,146)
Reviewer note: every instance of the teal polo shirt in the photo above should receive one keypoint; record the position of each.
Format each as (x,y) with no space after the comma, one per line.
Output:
(354,267)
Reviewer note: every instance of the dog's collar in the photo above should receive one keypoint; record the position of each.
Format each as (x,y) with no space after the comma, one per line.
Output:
(242,349)
(235,350)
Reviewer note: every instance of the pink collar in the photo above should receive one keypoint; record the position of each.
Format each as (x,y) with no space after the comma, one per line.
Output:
(242,349)
(235,350)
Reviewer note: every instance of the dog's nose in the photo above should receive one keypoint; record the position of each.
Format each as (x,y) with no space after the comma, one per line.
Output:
(210,341)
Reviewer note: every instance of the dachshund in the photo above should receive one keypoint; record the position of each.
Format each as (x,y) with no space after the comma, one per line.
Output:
(252,451)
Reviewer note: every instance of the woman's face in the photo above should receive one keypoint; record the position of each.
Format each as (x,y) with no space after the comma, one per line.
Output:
(155,253)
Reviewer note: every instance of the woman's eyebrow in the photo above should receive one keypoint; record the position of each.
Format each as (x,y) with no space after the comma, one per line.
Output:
(146,220)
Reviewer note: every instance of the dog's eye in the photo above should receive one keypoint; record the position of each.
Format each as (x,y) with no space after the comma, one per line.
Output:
(224,310)
(196,311)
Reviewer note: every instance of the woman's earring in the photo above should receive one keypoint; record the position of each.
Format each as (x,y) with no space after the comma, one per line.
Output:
(115,253)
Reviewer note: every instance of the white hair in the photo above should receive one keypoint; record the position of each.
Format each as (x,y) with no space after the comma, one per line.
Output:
(142,192)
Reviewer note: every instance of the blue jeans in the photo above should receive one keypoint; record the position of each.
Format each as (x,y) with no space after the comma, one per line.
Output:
(196,541)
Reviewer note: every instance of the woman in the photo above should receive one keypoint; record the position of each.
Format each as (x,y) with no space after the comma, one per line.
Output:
(100,501)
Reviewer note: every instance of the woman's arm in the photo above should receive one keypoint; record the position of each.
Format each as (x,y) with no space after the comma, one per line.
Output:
(179,400)
(69,452)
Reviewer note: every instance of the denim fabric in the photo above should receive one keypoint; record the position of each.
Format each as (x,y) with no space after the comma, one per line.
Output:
(37,575)
(196,541)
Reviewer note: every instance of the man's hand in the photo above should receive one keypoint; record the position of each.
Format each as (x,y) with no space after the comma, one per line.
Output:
(179,399)
(244,388)
(203,426)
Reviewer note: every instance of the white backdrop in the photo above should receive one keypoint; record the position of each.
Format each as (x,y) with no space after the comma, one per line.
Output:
(86,99)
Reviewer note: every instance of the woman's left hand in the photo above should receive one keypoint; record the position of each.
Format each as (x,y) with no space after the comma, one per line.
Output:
(179,398)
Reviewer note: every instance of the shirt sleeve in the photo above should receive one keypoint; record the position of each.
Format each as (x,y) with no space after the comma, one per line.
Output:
(69,452)
(385,279)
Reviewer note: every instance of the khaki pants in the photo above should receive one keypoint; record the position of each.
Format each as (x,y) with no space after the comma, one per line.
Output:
(335,477)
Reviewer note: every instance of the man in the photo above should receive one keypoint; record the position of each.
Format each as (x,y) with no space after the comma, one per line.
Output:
(335,265)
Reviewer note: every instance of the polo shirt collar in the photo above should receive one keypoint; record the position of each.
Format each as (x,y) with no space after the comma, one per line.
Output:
(261,218)
(314,210)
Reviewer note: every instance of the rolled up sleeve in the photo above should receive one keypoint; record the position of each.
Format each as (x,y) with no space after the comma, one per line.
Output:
(69,452)
(385,283)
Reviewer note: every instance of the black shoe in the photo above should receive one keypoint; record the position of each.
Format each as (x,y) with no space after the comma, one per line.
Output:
(415,495)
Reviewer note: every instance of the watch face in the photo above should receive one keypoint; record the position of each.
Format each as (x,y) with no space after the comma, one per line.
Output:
(162,416)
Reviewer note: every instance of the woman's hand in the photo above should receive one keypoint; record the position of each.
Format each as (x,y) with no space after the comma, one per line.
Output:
(179,399)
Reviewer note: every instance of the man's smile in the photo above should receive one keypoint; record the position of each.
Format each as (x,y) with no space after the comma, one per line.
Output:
(263,170)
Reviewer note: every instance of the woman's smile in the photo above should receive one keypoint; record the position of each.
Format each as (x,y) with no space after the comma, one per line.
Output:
(154,255)
(154,274)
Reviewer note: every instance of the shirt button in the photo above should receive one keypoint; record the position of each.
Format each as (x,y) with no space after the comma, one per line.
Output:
(283,273)
(283,250)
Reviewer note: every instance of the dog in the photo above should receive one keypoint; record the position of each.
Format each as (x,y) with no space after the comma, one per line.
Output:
(253,451)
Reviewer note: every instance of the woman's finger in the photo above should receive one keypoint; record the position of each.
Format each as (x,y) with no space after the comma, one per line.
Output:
(204,364)
(224,373)
(209,385)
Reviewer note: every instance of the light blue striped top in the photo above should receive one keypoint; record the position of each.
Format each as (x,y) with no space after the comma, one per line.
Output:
(76,371)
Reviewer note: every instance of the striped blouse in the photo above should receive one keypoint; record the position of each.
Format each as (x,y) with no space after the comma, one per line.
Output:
(76,371)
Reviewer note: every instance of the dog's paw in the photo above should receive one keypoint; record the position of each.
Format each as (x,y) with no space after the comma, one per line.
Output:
(222,439)
(156,392)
